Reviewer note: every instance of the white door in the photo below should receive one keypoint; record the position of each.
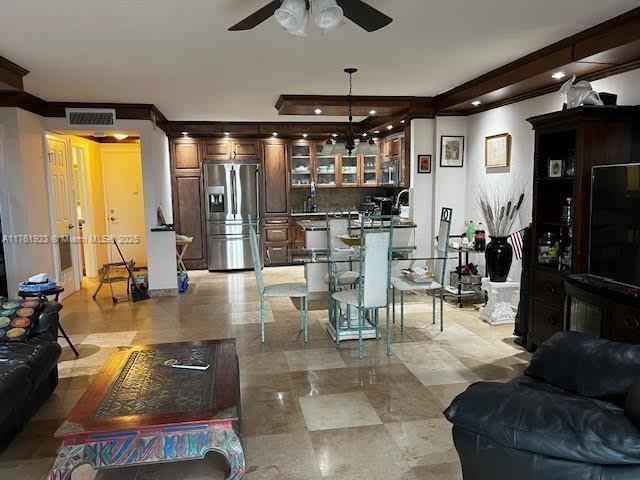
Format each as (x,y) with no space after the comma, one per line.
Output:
(62,212)
(122,177)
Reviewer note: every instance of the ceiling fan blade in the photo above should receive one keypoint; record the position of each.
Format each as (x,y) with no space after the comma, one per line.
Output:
(258,17)
(364,15)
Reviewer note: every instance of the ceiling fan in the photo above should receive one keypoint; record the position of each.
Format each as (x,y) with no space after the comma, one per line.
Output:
(294,15)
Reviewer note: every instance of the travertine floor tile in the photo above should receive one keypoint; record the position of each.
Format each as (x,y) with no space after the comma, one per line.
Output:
(338,410)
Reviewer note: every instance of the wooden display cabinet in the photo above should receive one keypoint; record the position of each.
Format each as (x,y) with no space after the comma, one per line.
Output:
(573,141)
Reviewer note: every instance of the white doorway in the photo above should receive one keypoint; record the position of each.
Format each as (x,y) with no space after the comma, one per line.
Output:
(124,201)
(63,217)
(84,209)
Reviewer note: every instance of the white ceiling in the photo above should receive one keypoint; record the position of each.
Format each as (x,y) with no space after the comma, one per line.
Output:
(179,55)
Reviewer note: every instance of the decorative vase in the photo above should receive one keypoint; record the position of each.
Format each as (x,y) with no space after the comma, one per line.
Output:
(498,255)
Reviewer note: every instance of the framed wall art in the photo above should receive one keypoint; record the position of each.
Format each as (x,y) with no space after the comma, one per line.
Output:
(424,163)
(451,151)
(497,151)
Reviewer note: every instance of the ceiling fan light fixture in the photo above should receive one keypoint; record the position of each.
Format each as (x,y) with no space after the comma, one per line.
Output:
(328,15)
(291,15)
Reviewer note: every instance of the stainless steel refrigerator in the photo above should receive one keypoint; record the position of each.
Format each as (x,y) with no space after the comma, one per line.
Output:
(233,197)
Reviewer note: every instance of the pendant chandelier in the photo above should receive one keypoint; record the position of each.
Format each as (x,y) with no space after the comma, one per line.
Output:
(350,143)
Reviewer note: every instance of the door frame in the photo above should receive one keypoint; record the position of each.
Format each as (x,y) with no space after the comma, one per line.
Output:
(75,251)
(7,222)
(90,253)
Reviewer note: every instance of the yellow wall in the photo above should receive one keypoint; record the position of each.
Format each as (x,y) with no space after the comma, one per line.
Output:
(95,191)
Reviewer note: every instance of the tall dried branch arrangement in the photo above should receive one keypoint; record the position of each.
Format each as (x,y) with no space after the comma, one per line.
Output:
(499,205)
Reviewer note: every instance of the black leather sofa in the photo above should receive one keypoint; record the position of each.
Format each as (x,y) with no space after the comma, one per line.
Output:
(28,373)
(573,415)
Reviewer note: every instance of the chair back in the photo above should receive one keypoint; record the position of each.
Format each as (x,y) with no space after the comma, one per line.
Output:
(337,224)
(443,244)
(255,253)
(375,261)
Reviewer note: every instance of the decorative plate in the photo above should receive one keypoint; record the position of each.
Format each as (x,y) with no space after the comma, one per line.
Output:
(25,312)
(4,321)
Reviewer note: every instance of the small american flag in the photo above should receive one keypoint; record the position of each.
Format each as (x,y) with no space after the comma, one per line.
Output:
(516,242)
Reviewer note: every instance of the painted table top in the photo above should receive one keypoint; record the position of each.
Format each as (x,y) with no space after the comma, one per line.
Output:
(135,390)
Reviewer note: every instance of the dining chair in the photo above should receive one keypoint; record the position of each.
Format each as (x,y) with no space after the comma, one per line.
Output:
(402,284)
(372,290)
(282,290)
(340,274)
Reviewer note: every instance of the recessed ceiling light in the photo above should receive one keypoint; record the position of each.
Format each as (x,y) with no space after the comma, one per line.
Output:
(372,112)
(317,111)
(185,133)
(334,135)
(376,131)
(475,103)
(558,75)
(275,134)
(304,135)
(402,121)
(120,136)
(226,134)
(389,127)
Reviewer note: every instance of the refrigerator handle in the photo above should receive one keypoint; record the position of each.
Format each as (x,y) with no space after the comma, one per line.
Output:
(257,192)
(234,209)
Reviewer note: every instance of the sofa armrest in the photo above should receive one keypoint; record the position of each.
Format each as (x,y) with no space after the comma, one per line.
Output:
(47,327)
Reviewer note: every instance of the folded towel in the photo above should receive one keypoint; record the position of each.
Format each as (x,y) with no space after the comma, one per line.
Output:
(39,278)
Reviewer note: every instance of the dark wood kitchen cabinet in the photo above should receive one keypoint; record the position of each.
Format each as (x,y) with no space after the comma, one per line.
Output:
(188,214)
(276,181)
(229,149)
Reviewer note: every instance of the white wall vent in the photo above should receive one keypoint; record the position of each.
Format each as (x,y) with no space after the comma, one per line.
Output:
(91,117)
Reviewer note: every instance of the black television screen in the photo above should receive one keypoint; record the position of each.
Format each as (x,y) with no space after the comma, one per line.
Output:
(615,223)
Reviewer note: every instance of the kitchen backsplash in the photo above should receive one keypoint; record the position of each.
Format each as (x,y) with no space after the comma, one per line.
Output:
(339,198)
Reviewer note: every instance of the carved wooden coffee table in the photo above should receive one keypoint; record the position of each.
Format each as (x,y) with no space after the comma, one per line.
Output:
(139,411)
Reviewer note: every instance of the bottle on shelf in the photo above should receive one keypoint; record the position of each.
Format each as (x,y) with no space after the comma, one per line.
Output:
(470,231)
(480,239)
(567,211)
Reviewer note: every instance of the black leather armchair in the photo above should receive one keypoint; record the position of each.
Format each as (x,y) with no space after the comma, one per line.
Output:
(564,419)
(28,373)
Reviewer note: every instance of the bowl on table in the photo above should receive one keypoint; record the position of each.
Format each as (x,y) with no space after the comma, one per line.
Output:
(351,240)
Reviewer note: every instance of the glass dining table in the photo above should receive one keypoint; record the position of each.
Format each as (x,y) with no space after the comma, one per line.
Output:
(345,326)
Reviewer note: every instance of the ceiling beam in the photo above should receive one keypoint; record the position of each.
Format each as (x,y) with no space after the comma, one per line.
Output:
(11,75)
(615,42)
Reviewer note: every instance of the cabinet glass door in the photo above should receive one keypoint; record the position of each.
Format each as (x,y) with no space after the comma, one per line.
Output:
(370,170)
(325,169)
(349,171)
(301,165)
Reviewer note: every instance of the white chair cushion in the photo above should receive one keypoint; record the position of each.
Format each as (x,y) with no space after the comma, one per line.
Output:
(345,278)
(296,290)
(350,297)
(402,284)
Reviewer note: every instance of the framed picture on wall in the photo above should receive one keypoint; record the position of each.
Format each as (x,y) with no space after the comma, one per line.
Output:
(451,151)
(497,151)
(424,163)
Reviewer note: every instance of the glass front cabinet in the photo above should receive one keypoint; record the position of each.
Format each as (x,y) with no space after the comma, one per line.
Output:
(301,166)
(308,164)
(349,171)
(326,171)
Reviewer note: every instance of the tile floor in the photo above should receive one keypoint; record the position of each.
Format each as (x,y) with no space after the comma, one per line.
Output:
(310,412)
